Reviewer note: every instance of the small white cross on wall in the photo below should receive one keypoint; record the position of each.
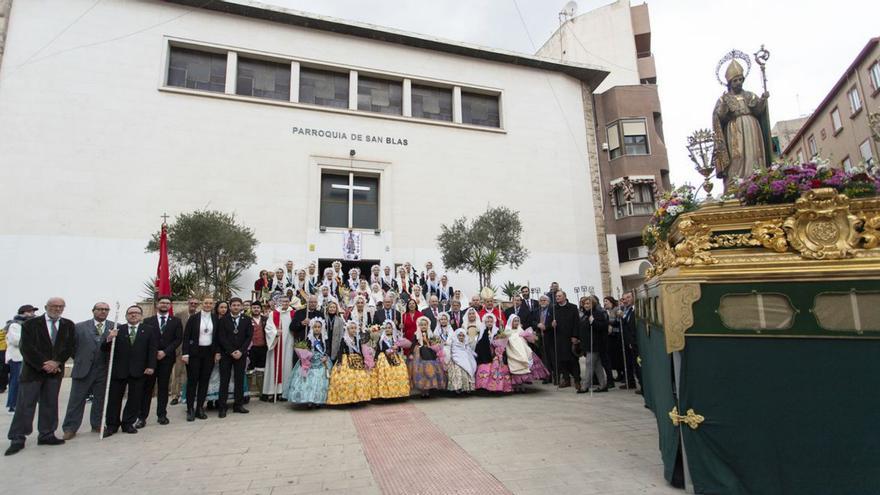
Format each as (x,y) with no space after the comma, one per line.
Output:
(351,189)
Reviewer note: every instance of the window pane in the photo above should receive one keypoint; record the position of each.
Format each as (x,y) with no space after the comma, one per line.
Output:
(756,311)
(325,88)
(263,79)
(480,110)
(365,213)
(855,102)
(835,119)
(875,76)
(865,150)
(197,70)
(813,150)
(636,145)
(432,103)
(848,311)
(334,201)
(379,95)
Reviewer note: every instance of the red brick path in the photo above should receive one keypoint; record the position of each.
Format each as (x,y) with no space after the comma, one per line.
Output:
(409,455)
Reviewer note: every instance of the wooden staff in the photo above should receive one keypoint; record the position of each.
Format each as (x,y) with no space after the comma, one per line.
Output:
(109,372)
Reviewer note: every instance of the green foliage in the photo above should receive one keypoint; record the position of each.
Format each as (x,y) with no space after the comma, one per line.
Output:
(212,245)
(184,284)
(510,289)
(484,245)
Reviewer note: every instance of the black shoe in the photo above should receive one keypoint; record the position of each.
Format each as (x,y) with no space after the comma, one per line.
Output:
(610,385)
(175,401)
(14,448)
(221,413)
(264,398)
(190,416)
(163,420)
(50,441)
(583,390)
(201,414)
(140,424)
(598,390)
(129,429)
(211,405)
(239,410)
(108,432)
(545,382)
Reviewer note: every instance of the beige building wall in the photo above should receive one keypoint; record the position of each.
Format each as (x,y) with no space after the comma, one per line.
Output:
(850,143)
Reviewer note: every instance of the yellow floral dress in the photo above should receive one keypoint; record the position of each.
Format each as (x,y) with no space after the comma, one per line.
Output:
(350,382)
(391,376)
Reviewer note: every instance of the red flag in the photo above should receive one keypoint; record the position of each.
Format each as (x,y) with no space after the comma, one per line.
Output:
(163,278)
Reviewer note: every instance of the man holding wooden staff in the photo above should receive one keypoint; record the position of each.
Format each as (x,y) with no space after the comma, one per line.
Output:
(133,359)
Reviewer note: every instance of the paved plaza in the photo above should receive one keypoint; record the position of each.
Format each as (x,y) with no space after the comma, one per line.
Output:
(541,442)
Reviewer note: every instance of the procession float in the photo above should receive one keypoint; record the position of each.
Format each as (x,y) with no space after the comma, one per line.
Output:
(759,322)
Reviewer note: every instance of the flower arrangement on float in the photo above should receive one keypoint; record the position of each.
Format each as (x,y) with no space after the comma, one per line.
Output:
(785,182)
(671,204)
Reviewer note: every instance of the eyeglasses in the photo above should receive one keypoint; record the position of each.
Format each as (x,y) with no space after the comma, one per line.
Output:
(102,309)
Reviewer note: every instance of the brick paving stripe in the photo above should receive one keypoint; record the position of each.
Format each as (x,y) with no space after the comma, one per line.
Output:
(408,454)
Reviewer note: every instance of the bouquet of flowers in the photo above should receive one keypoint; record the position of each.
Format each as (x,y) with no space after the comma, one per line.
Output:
(403,343)
(437,346)
(369,356)
(670,206)
(529,335)
(784,182)
(301,348)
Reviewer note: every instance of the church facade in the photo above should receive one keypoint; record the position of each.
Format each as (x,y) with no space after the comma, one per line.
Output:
(304,127)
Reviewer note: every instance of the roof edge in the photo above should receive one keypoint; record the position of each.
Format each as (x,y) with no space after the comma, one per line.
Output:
(831,94)
(593,76)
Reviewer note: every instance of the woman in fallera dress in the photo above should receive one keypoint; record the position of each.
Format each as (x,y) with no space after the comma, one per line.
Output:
(349,381)
(472,323)
(310,387)
(427,373)
(390,373)
(492,372)
(463,364)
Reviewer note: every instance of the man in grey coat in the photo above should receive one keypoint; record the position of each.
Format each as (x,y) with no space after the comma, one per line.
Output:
(89,372)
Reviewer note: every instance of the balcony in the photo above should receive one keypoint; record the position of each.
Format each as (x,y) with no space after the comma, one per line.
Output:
(647,69)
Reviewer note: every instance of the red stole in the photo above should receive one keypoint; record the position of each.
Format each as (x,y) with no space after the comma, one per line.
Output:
(279,348)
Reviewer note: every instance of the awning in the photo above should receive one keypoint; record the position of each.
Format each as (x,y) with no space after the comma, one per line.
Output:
(634,269)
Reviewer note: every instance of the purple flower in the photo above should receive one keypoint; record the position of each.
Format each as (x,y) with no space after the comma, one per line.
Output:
(777,187)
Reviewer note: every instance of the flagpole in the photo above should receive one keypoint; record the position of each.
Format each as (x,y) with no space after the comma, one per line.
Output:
(109,372)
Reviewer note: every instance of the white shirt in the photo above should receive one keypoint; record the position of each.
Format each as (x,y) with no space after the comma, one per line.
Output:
(103,323)
(206,330)
(49,327)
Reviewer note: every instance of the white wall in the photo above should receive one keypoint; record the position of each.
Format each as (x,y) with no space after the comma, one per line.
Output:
(93,152)
(602,37)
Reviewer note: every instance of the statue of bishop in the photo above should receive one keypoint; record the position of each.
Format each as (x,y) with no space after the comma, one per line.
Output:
(741,124)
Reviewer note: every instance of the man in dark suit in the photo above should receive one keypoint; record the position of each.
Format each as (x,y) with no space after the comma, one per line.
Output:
(519,309)
(386,312)
(630,342)
(531,304)
(46,343)
(133,358)
(89,373)
(432,312)
(456,315)
(565,325)
(544,327)
(169,330)
(234,338)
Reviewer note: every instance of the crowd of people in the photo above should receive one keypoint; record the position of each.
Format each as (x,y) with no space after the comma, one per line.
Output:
(328,340)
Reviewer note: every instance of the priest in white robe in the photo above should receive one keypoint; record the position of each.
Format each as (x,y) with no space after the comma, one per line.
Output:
(279,358)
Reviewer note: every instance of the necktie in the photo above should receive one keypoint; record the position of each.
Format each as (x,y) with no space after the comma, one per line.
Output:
(162,322)
(236,325)
(387,314)
(435,313)
(100,328)
(132,334)
(53,331)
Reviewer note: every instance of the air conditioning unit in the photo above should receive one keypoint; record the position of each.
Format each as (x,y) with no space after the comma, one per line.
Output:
(637,252)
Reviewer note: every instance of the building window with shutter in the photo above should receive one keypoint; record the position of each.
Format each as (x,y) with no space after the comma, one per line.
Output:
(867,154)
(874,71)
(855,101)
(811,142)
(836,123)
(322,87)
(628,137)
(380,95)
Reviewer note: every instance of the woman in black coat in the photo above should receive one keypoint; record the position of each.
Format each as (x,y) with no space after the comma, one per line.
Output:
(593,336)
